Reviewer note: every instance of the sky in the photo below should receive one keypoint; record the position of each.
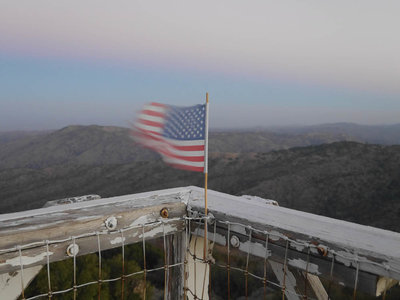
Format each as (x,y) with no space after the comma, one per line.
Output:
(264,63)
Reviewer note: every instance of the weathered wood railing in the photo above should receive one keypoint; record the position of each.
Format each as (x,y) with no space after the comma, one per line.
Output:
(350,254)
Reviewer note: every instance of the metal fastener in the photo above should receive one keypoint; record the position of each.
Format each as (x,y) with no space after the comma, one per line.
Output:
(235,242)
(111,223)
(72,250)
(164,213)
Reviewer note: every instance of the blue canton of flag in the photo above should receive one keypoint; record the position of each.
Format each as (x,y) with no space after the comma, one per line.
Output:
(185,123)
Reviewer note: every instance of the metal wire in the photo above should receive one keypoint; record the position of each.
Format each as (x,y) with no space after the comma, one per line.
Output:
(123,265)
(277,285)
(48,269)
(246,274)
(228,265)
(265,266)
(284,271)
(74,261)
(144,264)
(99,281)
(22,273)
(356,282)
(165,265)
(306,274)
(331,276)
(185,264)
(205,259)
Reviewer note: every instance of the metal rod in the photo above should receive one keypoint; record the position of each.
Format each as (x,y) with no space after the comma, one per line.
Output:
(306,279)
(99,285)
(48,268)
(144,264)
(165,264)
(22,273)
(74,262)
(331,276)
(185,261)
(228,266)
(284,271)
(205,180)
(265,266)
(123,266)
(356,282)
(247,266)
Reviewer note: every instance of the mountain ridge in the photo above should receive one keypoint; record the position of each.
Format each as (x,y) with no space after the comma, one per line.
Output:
(346,180)
(93,144)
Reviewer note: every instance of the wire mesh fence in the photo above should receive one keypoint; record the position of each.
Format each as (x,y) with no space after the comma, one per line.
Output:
(222,271)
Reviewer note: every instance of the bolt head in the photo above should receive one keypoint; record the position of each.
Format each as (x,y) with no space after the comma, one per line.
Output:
(111,223)
(235,242)
(72,250)
(164,213)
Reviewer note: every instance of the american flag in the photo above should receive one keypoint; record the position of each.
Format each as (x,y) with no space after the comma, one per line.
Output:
(177,133)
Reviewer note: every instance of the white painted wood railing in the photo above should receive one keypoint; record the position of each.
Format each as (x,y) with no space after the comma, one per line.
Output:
(296,246)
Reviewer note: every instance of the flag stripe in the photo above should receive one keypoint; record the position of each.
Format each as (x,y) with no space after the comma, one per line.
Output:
(168,149)
(159,109)
(187,157)
(151,118)
(152,113)
(152,129)
(157,104)
(181,145)
(178,161)
(191,148)
(151,123)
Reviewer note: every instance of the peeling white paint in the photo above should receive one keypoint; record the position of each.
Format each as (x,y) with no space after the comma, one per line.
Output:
(298,245)
(10,284)
(143,220)
(238,229)
(274,235)
(26,260)
(117,240)
(159,229)
(86,218)
(301,264)
(345,258)
(36,227)
(255,249)
(219,239)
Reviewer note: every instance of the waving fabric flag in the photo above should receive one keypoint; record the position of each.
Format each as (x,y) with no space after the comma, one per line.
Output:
(178,133)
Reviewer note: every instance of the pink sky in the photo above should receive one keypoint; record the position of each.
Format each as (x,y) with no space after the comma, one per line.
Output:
(350,44)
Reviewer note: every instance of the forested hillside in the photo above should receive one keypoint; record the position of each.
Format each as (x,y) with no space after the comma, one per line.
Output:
(346,180)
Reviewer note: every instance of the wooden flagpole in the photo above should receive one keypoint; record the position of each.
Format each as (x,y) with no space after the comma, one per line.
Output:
(205,179)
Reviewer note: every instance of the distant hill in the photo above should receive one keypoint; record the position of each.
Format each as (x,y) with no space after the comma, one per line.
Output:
(9,136)
(346,180)
(98,145)
(374,134)
(92,145)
